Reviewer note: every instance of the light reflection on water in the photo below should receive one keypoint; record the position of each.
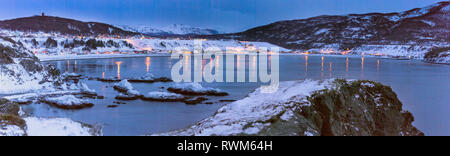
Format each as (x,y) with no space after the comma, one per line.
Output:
(423,88)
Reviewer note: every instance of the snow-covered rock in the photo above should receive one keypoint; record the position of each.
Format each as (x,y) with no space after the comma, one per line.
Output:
(310,108)
(150,78)
(67,102)
(126,87)
(195,89)
(163,97)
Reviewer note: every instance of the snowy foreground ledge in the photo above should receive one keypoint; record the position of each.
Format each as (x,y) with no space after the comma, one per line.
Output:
(311,108)
(50,127)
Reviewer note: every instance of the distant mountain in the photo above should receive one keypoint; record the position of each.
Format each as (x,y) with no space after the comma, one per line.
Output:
(49,24)
(176,29)
(416,26)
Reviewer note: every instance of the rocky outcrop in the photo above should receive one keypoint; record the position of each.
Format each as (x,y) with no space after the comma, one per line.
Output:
(438,56)
(9,119)
(312,108)
(21,71)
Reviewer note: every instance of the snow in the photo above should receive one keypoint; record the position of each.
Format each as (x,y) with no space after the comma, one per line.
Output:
(172,44)
(85,88)
(368,84)
(415,51)
(11,130)
(194,87)
(21,81)
(147,76)
(163,95)
(68,100)
(321,31)
(248,115)
(446,9)
(443,58)
(55,127)
(124,84)
(307,133)
(429,23)
(175,29)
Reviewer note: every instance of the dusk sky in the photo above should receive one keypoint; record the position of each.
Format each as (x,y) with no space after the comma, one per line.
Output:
(223,15)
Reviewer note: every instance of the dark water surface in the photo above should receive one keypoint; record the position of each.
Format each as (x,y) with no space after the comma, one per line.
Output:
(423,88)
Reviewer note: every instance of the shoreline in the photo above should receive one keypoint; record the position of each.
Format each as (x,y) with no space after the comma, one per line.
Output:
(46,58)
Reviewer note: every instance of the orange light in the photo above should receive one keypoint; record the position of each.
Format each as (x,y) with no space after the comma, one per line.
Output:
(118,68)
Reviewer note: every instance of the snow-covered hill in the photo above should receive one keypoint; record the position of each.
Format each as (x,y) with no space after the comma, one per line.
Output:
(65,26)
(413,32)
(176,29)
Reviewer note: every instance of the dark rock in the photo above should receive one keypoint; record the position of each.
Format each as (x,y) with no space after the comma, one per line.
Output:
(9,114)
(113,106)
(196,101)
(31,65)
(121,89)
(127,97)
(161,79)
(194,93)
(110,80)
(8,107)
(163,100)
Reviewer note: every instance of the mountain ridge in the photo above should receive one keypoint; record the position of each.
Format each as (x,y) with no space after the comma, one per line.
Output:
(66,26)
(415,26)
(175,29)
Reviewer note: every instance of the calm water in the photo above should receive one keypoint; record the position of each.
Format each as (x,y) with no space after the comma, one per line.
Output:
(423,88)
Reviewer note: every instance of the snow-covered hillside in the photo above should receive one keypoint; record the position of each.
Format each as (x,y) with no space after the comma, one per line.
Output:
(408,33)
(20,70)
(176,29)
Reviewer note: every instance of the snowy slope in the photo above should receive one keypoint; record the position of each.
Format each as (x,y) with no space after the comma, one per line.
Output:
(20,70)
